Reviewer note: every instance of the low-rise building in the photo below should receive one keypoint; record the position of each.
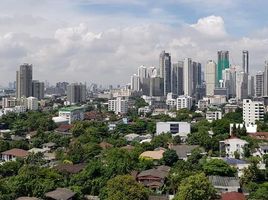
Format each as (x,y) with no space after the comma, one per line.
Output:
(71,114)
(175,128)
(233,146)
(225,184)
(118,105)
(13,154)
(213,115)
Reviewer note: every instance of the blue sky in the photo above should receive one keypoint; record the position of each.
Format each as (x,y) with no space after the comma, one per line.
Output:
(97,40)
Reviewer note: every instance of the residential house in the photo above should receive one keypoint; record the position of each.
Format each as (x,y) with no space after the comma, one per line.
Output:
(13,154)
(240,165)
(60,194)
(225,184)
(70,168)
(233,146)
(154,178)
(184,151)
(153,155)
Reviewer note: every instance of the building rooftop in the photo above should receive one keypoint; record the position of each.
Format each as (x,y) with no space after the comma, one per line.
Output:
(27,198)
(224,181)
(155,155)
(232,196)
(184,150)
(16,152)
(60,194)
(70,109)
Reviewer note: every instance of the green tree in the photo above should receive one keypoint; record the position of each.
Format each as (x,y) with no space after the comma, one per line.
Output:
(170,157)
(261,193)
(195,187)
(218,167)
(126,188)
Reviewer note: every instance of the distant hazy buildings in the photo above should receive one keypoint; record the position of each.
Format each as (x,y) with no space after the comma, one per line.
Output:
(245,61)
(210,77)
(188,77)
(165,70)
(177,78)
(76,93)
(38,89)
(259,83)
(135,83)
(24,77)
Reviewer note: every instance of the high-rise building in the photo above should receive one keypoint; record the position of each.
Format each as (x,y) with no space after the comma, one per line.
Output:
(245,61)
(259,78)
(229,81)
(265,79)
(76,93)
(38,89)
(188,77)
(177,78)
(32,103)
(223,63)
(251,86)
(135,83)
(252,111)
(241,85)
(165,70)
(184,102)
(118,105)
(24,79)
(142,73)
(210,77)
(151,72)
(196,76)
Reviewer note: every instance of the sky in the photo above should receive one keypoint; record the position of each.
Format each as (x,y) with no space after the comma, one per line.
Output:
(105,41)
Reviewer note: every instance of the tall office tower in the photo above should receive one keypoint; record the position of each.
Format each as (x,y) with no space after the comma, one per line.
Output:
(265,79)
(142,73)
(259,79)
(252,111)
(223,63)
(245,62)
(76,93)
(241,85)
(165,71)
(24,79)
(38,89)
(229,81)
(188,77)
(251,88)
(196,75)
(177,78)
(151,72)
(135,83)
(210,77)
(156,86)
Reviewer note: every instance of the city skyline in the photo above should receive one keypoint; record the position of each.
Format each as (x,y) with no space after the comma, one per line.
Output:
(95,41)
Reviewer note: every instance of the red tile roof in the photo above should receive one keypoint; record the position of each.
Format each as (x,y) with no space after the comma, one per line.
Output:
(260,135)
(233,196)
(16,152)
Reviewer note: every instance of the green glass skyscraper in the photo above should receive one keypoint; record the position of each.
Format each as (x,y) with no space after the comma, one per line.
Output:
(223,63)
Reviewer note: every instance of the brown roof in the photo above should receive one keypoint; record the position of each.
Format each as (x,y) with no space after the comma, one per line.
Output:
(105,145)
(27,198)
(260,135)
(160,172)
(155,155)
(64,128)
(16,152)
(233,196)
(70,168)
(60,194)
(128,147)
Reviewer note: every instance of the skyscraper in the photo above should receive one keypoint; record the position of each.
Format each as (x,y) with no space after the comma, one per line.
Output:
(188,77)
(265,79)
(210,77)
(38,89)
(165,71)
(142,73)
(76,93)
(24,79)
(259,84)
(196,75)
(245,60)
(135,82)
(241,85)
(177,78)
(223,63)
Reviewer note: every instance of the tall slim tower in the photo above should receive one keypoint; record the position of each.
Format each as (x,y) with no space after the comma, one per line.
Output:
(245,60)
(165,70)
(76,93)
(24,78)
(177,78)
(259,78)
(38,89)
(223,63)
(210,77)
(188,77)
(265,79)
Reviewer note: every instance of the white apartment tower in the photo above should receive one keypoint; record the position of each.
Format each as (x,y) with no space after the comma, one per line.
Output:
(210,77)
(135,83)
(184,102)
(252,111)
(118,105)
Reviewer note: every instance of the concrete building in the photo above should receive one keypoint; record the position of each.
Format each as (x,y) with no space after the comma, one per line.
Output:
(213,115)
(76,93)
(72,114)
(197,71)
(184,102)
(210,77)
(241,85)
(118,105)
(265,79)
(38,89)
(252,111)
(251,86)
(175,128)
(9,102)
(232,146)
(135,83)
(165,70)
(188,77)
(245,61)
(142,73)
(229,81)
(32,103)
(24,79)
(259,83)
(177,78)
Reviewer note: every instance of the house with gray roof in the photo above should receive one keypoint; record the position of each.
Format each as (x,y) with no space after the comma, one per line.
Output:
(225,184)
